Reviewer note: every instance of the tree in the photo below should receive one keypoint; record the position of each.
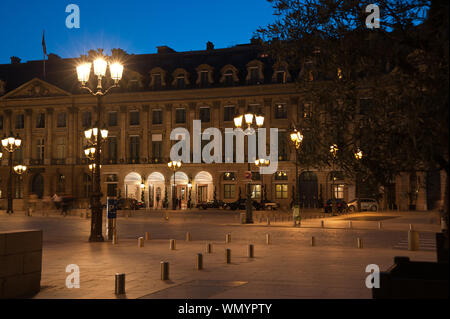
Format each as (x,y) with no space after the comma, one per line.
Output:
(402,66)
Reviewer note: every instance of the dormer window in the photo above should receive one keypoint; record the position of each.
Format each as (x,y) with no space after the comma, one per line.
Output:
(229,75)
(204,75)
(280,77)
(157,81)
(228,78)
(158,78)
(204,78)
(254,75)
(255,72)
(180,78)
(181,83)
(281,73)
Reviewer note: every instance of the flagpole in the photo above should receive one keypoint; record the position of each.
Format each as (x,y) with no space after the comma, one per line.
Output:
(44,48)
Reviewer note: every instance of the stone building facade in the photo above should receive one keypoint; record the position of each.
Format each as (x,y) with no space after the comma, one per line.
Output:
(158,93)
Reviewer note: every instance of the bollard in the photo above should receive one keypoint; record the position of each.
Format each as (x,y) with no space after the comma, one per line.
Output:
(350,224)
(208,248)
(188,236)
(228,256)
(228,238)
(411,227)
(359,242)
(268,239)
(443,224)
(120,284)
(321,223)
(251,251)
(313,241)
(114,239)
(141,242)
(147,235)
(413,240)
(380,225)
(268,221)
(164,270)
(199,263)
(172,244)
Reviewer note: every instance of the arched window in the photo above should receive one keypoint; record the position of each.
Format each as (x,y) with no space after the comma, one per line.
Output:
(180,78)
(229,75)
(204,75)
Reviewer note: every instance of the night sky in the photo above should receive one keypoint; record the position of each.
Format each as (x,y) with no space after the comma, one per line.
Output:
(137,26)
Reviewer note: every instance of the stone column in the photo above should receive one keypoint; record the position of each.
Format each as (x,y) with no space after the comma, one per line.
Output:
(28,137)
(168,120)
(123,136)
(72,147)
(49,143)
(145,125)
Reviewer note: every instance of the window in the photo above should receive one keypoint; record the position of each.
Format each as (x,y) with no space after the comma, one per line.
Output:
(181,83)
(256,191)
(1,122)
(229,176)
(280,77)
(112,119)
(60,184)
(157,117)
(229,191)
(157,149)
(228,113)
(40,149)
(205,114)
(111,190)
(134,117)
(204,78)
(112,149)
(281,191)
(180,116)
(365,106)
(254,75)
(282,146)
(157,81)
(61,147)
(228,78)
(339,191)
(61,119)
(20,121)
(281,176)
(86,119)
(40,120)
(280,111)
(307,110)
(134,148)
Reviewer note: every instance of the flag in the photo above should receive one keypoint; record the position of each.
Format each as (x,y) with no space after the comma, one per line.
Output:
(43,44)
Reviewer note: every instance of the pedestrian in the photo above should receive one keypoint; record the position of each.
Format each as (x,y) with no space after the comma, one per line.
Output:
(57,201)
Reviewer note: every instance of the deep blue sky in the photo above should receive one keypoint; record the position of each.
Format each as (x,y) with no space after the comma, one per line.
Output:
(137,26)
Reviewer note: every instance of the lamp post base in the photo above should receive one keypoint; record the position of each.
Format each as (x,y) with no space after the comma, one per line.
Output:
(96,238)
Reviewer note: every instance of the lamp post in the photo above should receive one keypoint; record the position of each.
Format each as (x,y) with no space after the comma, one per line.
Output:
(11,144)
(262,163)
(96,135)
(358,155)
(142,186)
(296,138)
(20,169)
(333,151)
(174,166)
(251,120)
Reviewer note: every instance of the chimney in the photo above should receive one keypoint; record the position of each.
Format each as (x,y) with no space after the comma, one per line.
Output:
(15,60)
(165,49)
(209,46)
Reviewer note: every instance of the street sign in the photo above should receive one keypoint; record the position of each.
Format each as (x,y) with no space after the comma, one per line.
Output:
(111,207)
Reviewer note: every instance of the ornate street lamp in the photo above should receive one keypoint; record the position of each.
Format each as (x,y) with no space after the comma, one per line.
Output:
(11,144)
(296,139)
(20,169)
(174,166)
(333,151)
(262,162)
(97,135)
(251,120)
(358,156)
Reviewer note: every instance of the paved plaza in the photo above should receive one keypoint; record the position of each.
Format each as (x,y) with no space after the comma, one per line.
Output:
(287,268)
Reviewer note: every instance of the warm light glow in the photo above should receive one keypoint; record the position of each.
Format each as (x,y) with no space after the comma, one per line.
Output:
(17,141)
(248,118)
(88,134)
(116,70)
(83,72)
(257,162)
(238,121)
(95,131)
(104,133)
(333,149)
(189,185)
(259,120)
(100,66)
(170,164)
(1,155)
(142,185)
(20,169)
(359,154)
(179,163)
(5,142)
(11,140)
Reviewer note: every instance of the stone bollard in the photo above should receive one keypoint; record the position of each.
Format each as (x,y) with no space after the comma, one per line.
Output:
(120,284)
(228,238)
(188,236)
(172,244)
(250,251)
(350,224)
(268,221)
(380,225)
(228,256)
(114,239)
(147,235)
(208,248)
(359,243)
(322,224)
(313,241)
(164,270)
(141,242)
(268,239)
(413,240)
(199,263)
(411,227)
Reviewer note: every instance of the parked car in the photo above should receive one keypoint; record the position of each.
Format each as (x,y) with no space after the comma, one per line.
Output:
(241,205)
(366,204)
(211,204)
(127,204)
(341,206)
